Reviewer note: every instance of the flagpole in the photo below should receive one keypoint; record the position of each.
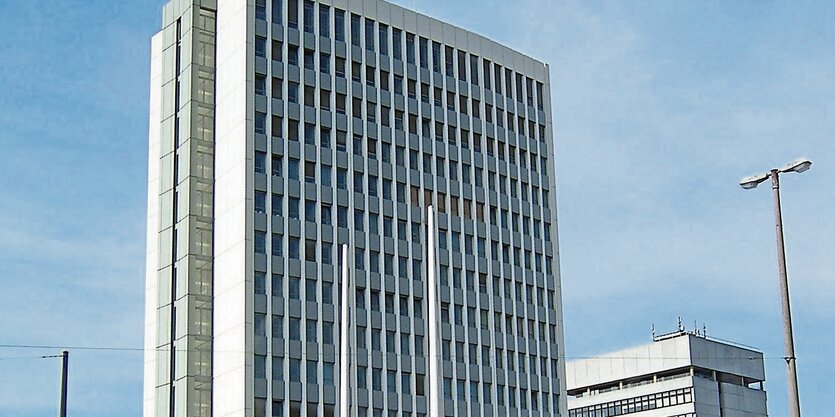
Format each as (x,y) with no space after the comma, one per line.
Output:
(432,301)
(344,344)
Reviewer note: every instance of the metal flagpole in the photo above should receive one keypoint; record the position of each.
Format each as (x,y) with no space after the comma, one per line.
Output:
(344,344)
(432,300)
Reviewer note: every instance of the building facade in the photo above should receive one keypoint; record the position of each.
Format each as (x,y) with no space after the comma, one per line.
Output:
(682,374)
(281,130)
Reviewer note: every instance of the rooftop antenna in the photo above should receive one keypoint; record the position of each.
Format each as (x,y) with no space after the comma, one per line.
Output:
(696,328)
(680,324)
(704,329)
(653,331)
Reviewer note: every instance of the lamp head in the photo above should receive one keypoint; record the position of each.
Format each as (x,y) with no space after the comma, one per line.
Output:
(800,165)
(753,181)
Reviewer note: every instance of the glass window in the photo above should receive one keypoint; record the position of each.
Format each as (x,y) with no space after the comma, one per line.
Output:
(410,48)
(293,13)
(384,38)
(261,46)
(277,243)
(324,20)
(355,30)
(308,16)
(339,25)
(293,247)
(369,35)
(260,243)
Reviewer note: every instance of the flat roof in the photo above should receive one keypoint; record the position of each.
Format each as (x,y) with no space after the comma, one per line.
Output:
(674,352)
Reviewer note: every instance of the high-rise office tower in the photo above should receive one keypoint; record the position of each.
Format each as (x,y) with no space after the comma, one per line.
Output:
(283,129)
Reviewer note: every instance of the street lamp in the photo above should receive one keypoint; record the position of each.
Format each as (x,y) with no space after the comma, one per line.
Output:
(748,183)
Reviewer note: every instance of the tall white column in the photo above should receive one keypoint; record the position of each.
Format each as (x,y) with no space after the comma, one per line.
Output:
(432,301)
(344,344)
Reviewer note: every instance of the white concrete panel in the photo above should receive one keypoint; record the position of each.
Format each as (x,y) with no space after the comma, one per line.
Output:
(231,373)
(629,363)
(152,242)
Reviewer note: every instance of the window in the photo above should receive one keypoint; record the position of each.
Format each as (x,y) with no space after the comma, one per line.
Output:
(387,190)
(448,62)
(260,46)
(327,257)
(261,162)
(308,16)
(293,169)
(369,35)
(448,388)
(410,48)
(358,182)
(293,208)
(436,57)
(373,220)
(359,259)
(260,283)
(359,216)
(396,35)
(384,81)
(277,243)
(260,122)
(327,368)
(260,85)
(260,243)
(355,30)
(384,37)
(370,77)
(309,96)
(462,65)
(324,63)
(326,215)
(388,224)
(294,331)
(309,60)
(293,247)
(357,145)
(310,210)
(342,216)
(293,14)
(324,21)
(339,25)
(277,124)
(294,288)
(276,90)
(325,175)
(474,69)
(310,172)
(341,178)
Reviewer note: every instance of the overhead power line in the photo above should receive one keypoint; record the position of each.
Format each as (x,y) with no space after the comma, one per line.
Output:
(136,350)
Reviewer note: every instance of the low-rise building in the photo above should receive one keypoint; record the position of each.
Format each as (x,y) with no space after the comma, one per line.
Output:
(682,374)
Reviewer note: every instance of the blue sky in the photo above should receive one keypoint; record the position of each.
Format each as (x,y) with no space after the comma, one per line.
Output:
(659,109)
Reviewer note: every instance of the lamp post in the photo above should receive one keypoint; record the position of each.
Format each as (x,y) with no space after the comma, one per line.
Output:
(748,183)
